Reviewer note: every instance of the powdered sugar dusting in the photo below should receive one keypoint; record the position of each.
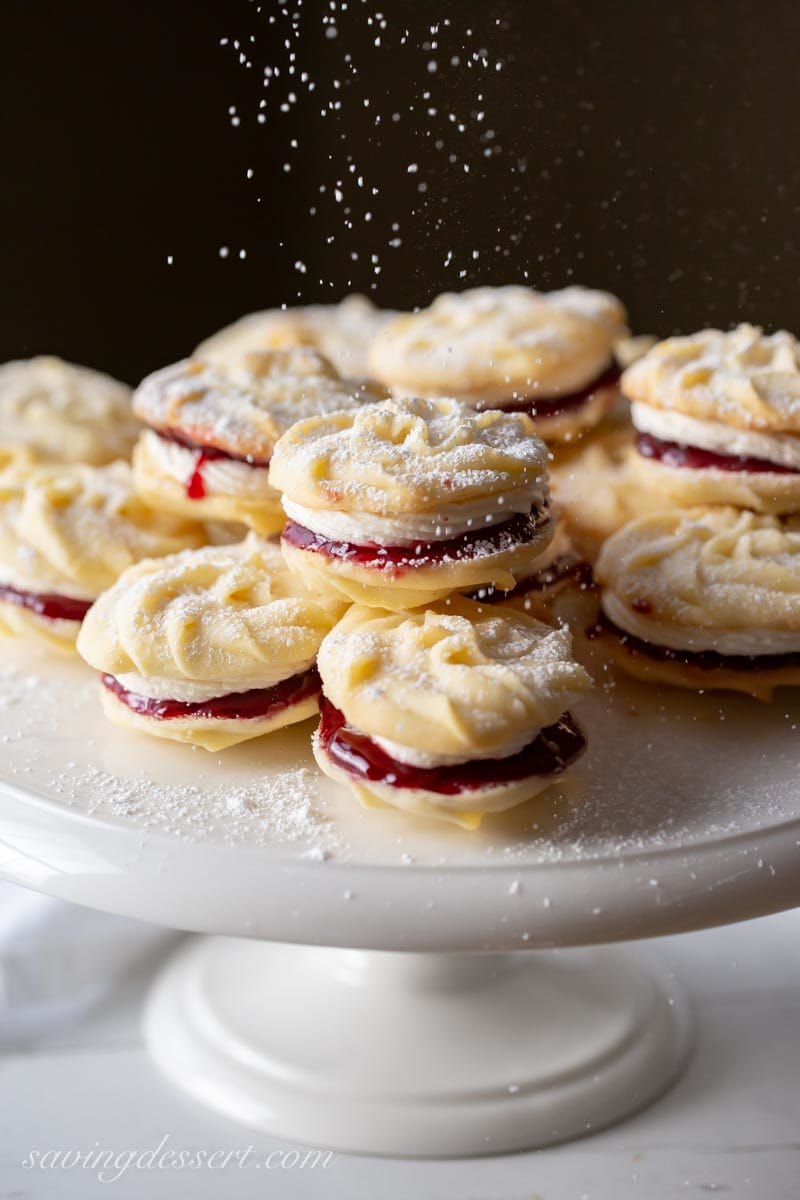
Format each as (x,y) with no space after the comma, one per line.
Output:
(169,789)
(242,408)
(246,813)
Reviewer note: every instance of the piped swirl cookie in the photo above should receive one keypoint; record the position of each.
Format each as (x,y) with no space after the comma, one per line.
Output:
(718,419)
(213,429)
(705,598)
(66,534)
(401,503)
(342,332)
(63,413)
(210,647)
(547,354)
(454,712)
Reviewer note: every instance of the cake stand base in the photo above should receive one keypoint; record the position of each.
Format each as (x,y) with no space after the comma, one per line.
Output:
(426,1055)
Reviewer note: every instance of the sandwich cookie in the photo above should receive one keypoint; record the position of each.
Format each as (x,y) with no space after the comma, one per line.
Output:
(67,533)
(213,427)
(717,417)
(454,712)
(399,504)
(704,598)
(547,354)
(210,647)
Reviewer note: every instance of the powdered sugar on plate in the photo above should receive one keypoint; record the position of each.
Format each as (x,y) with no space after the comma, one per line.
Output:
(57,743)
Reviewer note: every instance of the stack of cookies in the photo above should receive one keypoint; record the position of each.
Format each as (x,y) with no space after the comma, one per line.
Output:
(346,511)
(703,590)
(71,520)
(391,509)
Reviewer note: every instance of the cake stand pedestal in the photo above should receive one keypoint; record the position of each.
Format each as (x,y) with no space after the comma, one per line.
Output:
(415,1054)
(391,986)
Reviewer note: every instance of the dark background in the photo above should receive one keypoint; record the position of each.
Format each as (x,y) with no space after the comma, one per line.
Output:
(645,147)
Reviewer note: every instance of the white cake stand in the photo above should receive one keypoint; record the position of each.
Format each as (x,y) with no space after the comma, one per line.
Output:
(685,813)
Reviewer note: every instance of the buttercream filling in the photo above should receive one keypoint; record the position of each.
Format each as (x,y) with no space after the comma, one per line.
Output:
(782,450)
(194,691)
(548,752)
(413,757)
(407,529)
(50,605)
(206,470)
(519,530)
(729,643)
(254,704)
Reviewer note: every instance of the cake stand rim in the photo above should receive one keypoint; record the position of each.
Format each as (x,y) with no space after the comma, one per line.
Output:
(153,875)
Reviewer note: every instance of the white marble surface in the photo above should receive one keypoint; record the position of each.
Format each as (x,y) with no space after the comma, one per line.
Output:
(731,1127)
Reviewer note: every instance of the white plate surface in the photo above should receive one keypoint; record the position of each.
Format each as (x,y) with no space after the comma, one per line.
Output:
(685,811)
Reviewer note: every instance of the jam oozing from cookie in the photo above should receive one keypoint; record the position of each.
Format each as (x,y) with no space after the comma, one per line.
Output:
(561,571)
(549,753)
(553,406)
(516,531)
(259,703)
(46,604)
(195,485)
(673,454)
(709,660)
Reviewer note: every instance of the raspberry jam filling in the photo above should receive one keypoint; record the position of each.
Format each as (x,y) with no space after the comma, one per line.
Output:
(553,406)
(550,753)
(46,604)
(195,484)
(673,454)
(516,531)
(561,571)
(238,706)
(709,660)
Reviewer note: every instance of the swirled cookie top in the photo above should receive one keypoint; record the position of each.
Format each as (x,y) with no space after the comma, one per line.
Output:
(221,613)
(342,332)
(506,341)
(243,408)
(708,568)
(73,529)
(65,413)
(458,679)
(744,378)
(409,456)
